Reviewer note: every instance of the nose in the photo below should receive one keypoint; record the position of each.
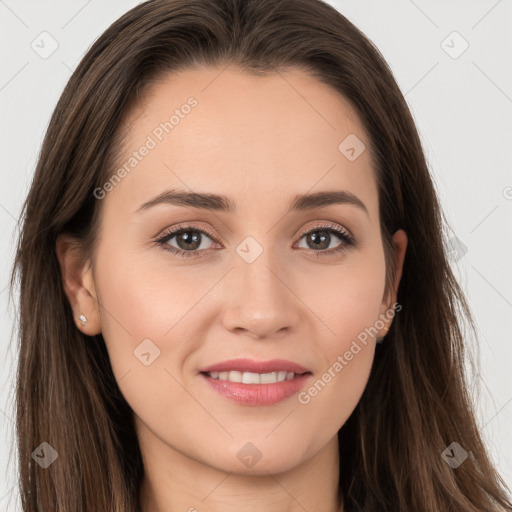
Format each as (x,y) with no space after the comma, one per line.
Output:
(260,298)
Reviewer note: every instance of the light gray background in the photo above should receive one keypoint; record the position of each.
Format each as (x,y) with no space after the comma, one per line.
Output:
(462,107)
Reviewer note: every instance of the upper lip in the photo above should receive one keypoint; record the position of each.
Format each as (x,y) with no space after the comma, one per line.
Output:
(253,366)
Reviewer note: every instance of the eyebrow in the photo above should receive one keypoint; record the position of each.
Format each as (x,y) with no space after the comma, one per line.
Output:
(208,201)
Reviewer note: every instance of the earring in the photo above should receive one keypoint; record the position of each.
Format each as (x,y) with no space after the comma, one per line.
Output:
(83,320)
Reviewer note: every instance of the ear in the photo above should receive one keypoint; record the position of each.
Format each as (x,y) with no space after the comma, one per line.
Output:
(78,282)
(399,242)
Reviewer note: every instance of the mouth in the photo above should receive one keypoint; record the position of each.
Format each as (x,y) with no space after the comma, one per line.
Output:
(252,378)
(251,382)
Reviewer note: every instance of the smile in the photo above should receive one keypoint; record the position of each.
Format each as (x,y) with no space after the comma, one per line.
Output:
(252,378)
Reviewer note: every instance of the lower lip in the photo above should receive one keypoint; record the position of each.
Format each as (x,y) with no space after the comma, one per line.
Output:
(257,394)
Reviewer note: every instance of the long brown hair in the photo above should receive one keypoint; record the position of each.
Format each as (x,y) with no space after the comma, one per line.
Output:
(416,402)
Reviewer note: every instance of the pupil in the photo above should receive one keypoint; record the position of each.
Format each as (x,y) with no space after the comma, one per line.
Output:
(189,239)
(324,235)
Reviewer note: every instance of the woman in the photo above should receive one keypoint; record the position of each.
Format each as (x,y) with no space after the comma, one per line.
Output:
(234,289)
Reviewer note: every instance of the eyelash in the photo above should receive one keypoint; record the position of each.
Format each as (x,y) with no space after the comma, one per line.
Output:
(346,238)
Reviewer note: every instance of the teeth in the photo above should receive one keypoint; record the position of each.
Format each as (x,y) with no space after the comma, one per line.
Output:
(253,378)
(268,378)
(235,376)
(250,378)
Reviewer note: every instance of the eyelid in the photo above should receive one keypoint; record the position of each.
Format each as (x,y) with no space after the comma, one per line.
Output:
(302,232)
(319,224)
(346,237)
(184,227)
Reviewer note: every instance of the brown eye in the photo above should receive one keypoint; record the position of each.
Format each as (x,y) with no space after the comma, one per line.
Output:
(189,241)
(319,240)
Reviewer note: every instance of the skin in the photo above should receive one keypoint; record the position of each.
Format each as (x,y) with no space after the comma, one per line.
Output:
(259,141)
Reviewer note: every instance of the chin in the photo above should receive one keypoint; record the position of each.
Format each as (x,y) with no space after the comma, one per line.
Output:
(257,458)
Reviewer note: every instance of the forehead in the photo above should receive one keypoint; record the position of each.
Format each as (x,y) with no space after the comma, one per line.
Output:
(228,132)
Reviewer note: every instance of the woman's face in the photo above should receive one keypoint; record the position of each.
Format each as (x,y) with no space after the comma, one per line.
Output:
(268,279)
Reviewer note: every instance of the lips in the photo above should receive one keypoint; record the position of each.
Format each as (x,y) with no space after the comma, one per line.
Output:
(257,394)
(259,383)
(253,366)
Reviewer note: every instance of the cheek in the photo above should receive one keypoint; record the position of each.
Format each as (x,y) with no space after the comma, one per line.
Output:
(347,297)
(140,300)
(144,324)
(346,347)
